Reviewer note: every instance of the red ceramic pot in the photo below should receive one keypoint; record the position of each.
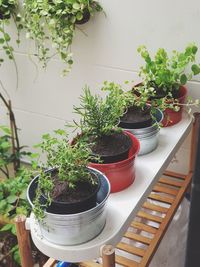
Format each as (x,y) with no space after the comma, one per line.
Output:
(121,174)
(172,117)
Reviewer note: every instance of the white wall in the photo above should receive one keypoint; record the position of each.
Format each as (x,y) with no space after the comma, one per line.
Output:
(107,53)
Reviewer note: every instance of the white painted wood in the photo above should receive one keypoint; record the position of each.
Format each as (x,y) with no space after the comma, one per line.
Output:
(122,206)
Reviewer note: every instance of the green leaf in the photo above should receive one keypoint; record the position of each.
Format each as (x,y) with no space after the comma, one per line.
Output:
(3,204)
(13,249)
(194,49)
(43,13)
(183,79)
(23,194)
(6,227)
(13,230)
(70,61)
(76,6)
(11,199)
(7,37)
(60,132)
(195,69)
(21,210)
(79,16)
(1,40)
(45,136)
(34,155)
(5,145)
(5,129)
(17,257)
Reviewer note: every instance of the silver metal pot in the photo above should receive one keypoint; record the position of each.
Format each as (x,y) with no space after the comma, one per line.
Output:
(73,229)
(148,136)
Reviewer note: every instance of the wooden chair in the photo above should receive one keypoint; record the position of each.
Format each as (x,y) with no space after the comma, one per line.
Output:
(167,195)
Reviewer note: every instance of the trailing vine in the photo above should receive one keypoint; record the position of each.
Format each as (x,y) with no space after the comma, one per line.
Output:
(12,135)
(8,11)
(52,24)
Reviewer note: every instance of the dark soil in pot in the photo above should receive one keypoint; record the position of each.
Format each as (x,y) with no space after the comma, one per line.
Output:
(68,200)
(86,17)
(112,148)
(136,118)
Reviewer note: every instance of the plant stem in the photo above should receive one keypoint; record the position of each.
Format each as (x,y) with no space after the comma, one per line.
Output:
(6,173)
(14,134)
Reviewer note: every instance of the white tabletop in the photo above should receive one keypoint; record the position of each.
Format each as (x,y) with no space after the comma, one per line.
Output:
(122,206)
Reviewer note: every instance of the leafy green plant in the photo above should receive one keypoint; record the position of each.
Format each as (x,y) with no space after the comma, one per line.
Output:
(13,202)
(5,150)
(70,162)
(138,97)
(7,154)
(100,116)
(13,195)
(54,22)
(167,74)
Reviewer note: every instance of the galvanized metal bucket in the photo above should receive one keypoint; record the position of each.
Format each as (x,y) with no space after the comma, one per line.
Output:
(148,136)
(73,229)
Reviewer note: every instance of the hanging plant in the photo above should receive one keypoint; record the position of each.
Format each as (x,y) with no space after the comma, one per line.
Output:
(8,11)
(52,23)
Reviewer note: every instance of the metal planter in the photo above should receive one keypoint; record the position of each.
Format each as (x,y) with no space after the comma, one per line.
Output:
(148,136)
(73,229)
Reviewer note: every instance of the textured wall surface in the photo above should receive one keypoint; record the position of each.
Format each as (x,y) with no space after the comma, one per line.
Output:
(44,99)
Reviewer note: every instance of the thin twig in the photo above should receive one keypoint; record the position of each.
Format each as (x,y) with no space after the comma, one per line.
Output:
(14,133)
(4,172)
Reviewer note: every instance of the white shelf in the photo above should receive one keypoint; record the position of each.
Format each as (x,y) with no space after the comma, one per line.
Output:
(122,206)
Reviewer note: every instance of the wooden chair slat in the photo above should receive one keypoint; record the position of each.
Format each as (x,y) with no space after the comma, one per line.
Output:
(137,237)
(125,261)
(154,207)
(168,181)
(166,190)
(131,249)
(149,217)
(175,175)
(144,227)
(160,198)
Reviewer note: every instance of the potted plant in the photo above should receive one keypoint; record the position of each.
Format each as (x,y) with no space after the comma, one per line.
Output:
(55,22)
(99,119)
(65,196)
(168,75)
(139,118)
